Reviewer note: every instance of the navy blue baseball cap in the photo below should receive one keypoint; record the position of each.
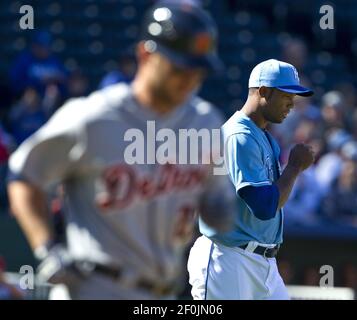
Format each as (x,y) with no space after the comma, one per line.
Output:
(280,75)
(183,32)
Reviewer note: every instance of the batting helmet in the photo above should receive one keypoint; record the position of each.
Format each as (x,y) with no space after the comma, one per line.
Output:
(184,33)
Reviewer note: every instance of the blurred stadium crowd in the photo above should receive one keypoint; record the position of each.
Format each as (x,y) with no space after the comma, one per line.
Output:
(78,46)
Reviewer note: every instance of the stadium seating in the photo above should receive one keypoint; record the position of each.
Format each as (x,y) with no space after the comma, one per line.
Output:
(90,35)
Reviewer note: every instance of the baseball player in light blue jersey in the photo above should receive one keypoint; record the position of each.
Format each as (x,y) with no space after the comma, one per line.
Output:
(241,264)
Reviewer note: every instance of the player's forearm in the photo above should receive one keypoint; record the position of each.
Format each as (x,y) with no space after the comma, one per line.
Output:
(28,204)
(285,183)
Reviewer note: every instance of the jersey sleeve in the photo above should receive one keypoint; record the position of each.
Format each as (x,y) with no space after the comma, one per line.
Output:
(50,154)
(244,161)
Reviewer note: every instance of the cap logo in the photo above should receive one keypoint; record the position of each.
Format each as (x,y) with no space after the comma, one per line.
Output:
(296,76)
(202,43)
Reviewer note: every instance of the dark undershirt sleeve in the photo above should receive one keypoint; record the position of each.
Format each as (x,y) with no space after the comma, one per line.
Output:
(262,201)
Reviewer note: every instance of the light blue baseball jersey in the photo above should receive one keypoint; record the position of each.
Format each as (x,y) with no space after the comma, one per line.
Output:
(252,159)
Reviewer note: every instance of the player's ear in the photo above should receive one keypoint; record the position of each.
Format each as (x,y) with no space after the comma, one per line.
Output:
(263,91)
(142,53)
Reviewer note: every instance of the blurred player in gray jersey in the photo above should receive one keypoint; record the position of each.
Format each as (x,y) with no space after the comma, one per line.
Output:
(129,214)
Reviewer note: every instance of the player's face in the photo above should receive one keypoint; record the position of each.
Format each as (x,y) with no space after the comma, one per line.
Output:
(278,105)
(172,84)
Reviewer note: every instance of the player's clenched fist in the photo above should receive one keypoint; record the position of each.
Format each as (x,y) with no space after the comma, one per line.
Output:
(301,156)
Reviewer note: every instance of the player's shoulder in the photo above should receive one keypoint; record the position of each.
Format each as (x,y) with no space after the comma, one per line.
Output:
(240,130)
(113,95)
(108,98)
(98,104)
(206,111)
(238,123)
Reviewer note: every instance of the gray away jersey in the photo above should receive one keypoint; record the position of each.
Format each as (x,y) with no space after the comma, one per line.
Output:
(136,216)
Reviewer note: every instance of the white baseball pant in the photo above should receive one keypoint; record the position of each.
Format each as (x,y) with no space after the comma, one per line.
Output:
(217,272)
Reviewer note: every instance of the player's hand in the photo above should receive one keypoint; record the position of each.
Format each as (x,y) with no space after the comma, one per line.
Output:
(301,156)
(58,267)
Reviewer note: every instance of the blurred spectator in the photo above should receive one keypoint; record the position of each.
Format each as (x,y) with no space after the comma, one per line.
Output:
(349,276)
(38,67)
(52,100)
(26,116)
(311,276)
(304,200)
(349,150)
(6,146)
(304,110)
(302,205)
(8,291)
(329,166)
(78,85)
(353,118)
(6,99)
(348,92)
(286,271)
(340,203)
(309,131)
(333,110)
(124,73)
(295,52)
